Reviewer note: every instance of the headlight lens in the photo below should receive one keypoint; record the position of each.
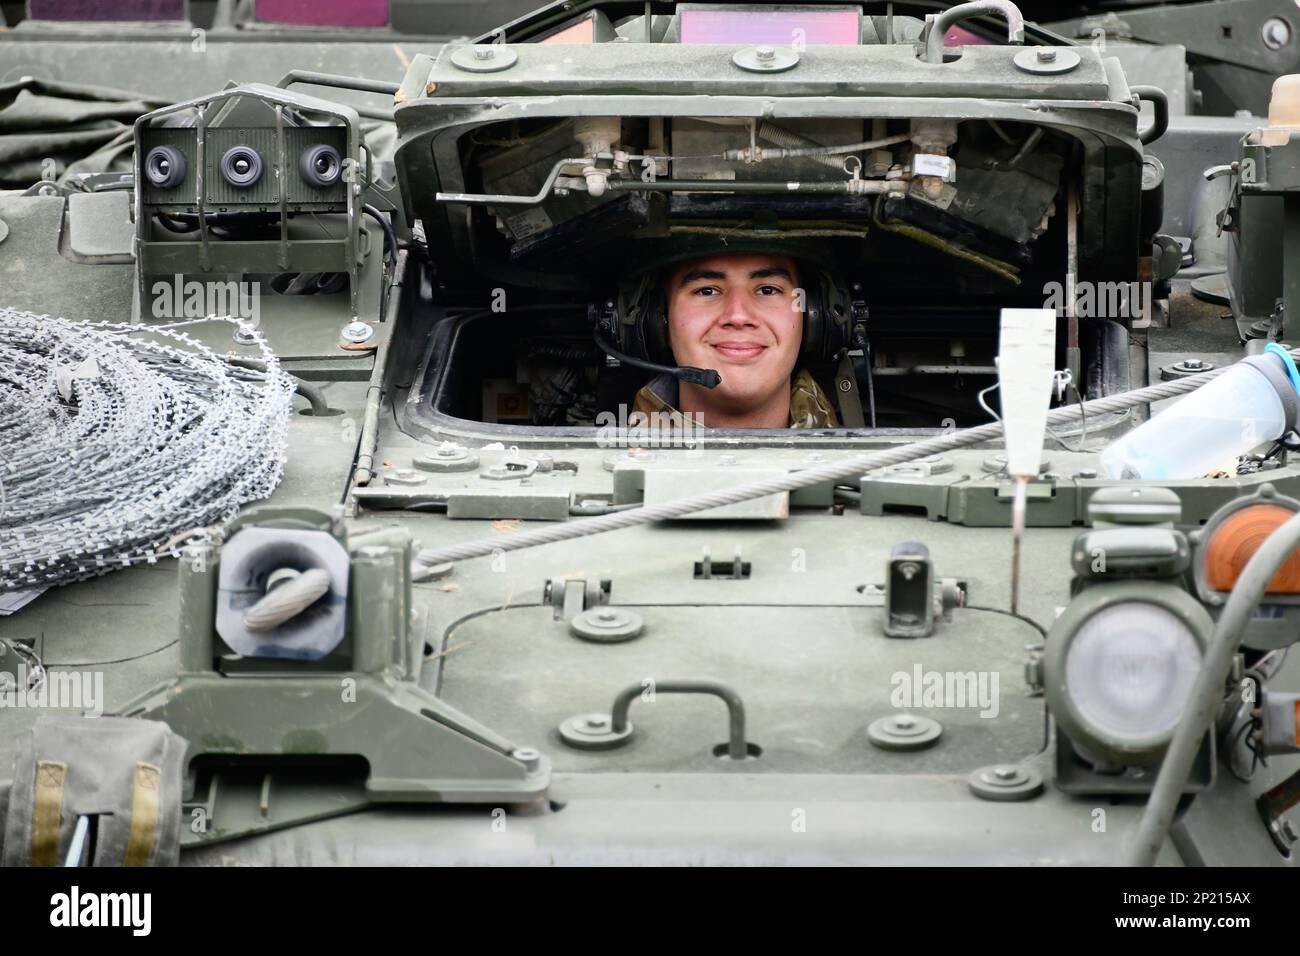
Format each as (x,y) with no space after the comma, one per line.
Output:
(1129,671)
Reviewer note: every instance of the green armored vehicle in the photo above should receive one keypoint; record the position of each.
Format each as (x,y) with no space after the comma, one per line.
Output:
(661,432)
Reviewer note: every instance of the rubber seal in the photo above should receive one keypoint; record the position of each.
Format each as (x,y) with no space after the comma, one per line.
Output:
(164,167)
(231,174)
(313,176)
(1292,372)
(1282,384)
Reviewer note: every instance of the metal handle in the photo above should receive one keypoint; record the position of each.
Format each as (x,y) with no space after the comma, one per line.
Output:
(1160,101)
(737,748)
(945,21)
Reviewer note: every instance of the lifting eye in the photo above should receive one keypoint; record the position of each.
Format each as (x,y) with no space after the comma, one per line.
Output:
(241,166)
(320,166)
(164,167)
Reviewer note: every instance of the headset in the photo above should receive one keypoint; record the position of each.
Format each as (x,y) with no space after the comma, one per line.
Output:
(634,326)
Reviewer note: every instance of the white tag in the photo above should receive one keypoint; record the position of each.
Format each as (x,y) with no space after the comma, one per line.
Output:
(1026,373)
(528,222)
(64,375)
(927,164)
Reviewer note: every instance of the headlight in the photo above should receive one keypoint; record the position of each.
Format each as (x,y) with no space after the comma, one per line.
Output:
(1119,667)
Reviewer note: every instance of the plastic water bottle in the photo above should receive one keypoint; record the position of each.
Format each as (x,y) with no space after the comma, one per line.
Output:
(1253,402)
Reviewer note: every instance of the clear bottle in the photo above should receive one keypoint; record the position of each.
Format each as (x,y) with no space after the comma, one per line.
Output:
(1252,402)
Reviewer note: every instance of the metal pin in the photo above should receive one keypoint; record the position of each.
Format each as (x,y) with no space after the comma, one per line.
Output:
(78,846)
(1018,506)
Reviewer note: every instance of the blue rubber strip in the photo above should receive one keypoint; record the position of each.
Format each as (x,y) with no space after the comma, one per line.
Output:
(1292,372)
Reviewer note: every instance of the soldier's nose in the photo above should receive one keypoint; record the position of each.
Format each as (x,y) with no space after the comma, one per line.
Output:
(735,311)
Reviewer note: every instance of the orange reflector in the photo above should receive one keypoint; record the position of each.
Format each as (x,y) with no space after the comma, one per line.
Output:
(1236,540)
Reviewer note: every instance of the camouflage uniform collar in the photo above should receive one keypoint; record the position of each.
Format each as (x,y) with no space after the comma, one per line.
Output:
(809,405)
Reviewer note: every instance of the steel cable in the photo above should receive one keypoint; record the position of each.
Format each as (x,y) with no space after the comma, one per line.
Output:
(834,471)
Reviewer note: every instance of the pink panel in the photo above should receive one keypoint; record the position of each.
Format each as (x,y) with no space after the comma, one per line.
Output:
(960,36)
(325,13)
(778,28)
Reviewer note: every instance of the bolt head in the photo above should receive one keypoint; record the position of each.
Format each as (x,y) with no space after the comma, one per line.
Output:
(596,723)
(484,53)
(765,52)
(357,332)
(904,722)
(1277,33)
(1005,773)
(1047,56)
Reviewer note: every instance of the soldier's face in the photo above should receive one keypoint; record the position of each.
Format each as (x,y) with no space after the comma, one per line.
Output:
(740,315)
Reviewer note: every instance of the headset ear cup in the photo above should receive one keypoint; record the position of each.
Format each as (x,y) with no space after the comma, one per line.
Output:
(826,319)
(658,344)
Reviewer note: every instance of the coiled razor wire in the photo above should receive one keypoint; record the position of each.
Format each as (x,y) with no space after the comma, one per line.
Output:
(118,439)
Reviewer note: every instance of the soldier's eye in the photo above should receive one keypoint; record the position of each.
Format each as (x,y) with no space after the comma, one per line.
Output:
(770,290)
(705,290)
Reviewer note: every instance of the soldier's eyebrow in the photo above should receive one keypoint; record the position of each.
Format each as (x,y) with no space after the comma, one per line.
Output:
(696,274)
(767,272)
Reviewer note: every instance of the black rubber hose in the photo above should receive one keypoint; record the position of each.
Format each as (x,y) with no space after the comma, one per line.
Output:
(177,225)
(390,237)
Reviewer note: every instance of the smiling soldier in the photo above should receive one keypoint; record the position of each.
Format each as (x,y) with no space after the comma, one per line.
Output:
(742,315)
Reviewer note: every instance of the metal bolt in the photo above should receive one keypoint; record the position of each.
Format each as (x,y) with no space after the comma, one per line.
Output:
(766,53)
(846,386)
(904,722)
(607,617)
(1276,32)
(1006,773)
(596,723)
(498,470)
(449,450)
(1047,56)
(484,53)
(357,331)
(530,757)
(1194,363)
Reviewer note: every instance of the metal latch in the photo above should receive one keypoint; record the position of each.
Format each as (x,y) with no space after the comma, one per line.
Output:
(736,569)
(911,599)
(569,597)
